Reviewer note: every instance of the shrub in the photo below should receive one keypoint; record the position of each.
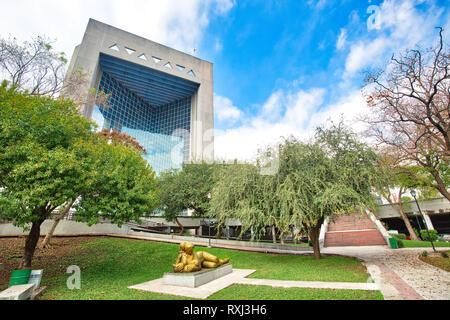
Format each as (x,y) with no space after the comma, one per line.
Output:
(444,255)
(400,236)
(429,235)
(424,254)
(400,243)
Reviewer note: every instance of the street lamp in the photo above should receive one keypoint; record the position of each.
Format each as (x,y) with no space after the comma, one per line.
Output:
(209,225)
(413,193)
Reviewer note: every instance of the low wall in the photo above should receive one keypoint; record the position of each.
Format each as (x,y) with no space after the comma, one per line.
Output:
(66,227)
(72,228)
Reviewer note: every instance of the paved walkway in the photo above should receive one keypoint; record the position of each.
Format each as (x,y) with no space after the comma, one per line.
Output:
(400,274)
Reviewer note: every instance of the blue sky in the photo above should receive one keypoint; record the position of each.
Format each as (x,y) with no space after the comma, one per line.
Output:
(280,67)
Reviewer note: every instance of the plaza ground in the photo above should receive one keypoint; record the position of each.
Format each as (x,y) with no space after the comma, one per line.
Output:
(109,265)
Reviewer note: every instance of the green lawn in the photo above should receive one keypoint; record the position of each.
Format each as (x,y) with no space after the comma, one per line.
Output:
(424,244)
(250,292)
(110,265)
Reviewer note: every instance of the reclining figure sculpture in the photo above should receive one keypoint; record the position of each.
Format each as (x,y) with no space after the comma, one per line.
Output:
(190,261)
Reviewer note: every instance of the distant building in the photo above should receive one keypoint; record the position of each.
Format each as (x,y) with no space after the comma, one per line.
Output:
(160,96)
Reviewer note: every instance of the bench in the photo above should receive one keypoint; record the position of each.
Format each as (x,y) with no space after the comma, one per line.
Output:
(29,291)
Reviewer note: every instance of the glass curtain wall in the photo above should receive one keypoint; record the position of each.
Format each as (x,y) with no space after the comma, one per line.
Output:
(164,131)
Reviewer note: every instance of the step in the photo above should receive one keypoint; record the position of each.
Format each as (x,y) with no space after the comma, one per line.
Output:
(354,238)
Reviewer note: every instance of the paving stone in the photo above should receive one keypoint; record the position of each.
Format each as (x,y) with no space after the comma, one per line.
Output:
(402,275)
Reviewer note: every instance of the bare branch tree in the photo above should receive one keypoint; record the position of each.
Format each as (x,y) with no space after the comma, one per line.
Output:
(32,66)
(410,101)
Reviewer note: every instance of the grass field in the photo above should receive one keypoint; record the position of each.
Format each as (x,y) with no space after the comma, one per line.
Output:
(424,244)
(109,265)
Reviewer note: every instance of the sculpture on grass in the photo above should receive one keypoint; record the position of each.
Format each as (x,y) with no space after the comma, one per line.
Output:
(190,261)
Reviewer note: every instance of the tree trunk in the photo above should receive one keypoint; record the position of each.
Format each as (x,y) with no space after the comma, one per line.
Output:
(407,223)
(30,244)
(399,209)
(440,185)
(58,218)
(314,236)
(219,232)
(180,225)
(274,235)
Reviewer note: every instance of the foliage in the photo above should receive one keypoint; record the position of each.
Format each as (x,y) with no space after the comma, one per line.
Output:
(429,235)
(394,176)
(32,66)
(331,175)
(49,156)
(399,236)
(409,111)
(36,69)
(425,254)
(444,254)
(400,243)
(122,138)
(189,188)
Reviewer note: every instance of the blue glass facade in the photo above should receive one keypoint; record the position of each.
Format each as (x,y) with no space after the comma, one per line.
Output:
(163,130)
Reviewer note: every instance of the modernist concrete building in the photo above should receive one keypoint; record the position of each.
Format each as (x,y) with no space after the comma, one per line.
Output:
(160,96)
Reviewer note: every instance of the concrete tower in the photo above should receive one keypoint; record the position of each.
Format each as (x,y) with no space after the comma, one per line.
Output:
(160,96)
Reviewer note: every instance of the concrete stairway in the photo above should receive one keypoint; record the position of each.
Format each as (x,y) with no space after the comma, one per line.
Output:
(355,229)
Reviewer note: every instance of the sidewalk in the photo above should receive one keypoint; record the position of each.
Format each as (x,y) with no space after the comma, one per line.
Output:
(400,274)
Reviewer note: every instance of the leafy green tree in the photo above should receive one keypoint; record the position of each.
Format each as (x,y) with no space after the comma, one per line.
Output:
(331,175)
(50,156)
(187,189)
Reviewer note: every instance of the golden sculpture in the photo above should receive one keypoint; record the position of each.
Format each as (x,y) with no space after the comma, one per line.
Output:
(190,261)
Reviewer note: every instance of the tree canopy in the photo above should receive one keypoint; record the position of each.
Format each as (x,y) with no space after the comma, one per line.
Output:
(409,102)
(331,175)
(187,189)
(50,155)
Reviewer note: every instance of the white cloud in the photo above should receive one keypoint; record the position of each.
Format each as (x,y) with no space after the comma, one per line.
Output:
(401,26)
(178,23)
(225,110)
(365,54)
(301,112)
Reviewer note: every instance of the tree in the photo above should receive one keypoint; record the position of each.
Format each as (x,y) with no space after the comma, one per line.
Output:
(113,137)
(392,176)
(50,156)
(187,189)
(331,175)
(35,68)
(32,66)
(410,103)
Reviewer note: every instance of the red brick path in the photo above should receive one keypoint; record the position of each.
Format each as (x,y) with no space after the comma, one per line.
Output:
(404,289)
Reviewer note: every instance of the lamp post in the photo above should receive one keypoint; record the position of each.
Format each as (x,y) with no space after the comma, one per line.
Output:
(413,193)
(209,225)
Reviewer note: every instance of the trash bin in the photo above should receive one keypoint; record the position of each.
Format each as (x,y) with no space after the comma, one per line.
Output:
(19,277)
(393,242)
